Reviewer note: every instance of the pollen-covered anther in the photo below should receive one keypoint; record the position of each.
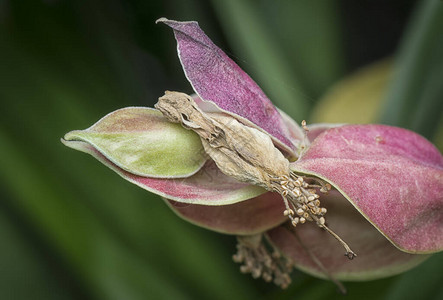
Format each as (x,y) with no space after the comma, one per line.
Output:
(315,210)
(301,194)
(288,212)
(298,182)
(325,188)
(262,259)
(297,192)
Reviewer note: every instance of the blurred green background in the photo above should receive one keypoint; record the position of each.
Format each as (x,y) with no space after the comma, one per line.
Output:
(72,229)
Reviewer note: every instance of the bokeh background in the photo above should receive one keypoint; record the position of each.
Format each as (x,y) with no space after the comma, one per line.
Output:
(72,229)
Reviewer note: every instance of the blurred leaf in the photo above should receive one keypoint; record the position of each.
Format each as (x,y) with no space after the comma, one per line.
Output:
(310,38)
(356,98)
(415,97)
(254,41)
(423,283)
(29,272)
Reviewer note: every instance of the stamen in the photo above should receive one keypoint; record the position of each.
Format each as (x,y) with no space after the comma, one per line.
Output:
(301,194)
(260,258)
(288,212)
(349,253)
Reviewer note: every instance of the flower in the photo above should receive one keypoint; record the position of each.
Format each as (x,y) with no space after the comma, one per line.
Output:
(236,164)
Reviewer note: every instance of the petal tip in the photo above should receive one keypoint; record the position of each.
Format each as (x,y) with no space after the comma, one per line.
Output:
(173,23)
(161,20)
(70,136)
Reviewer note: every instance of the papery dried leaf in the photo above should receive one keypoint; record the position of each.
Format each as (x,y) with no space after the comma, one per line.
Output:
(241,152)
(141,141)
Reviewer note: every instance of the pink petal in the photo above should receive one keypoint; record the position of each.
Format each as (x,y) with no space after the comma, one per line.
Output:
(215,77)
(318,128)
(208,187)
(377,257)
(393,176)
(248,217)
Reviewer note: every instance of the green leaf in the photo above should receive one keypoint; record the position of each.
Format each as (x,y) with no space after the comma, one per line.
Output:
(415,96)
(427,277)
(309,36)
(255,42)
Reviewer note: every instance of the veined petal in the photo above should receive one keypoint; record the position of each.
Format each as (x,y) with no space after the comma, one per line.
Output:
(248,217)
(218,79)
(316,252)
(209,186)
(141,141)
(393,176)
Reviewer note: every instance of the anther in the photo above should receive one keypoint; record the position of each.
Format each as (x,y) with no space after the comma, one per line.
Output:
(288,212)
(296,192)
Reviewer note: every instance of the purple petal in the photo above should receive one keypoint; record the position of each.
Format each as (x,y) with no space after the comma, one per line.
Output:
(248,217)
(377,257)
(393,176)
(215,77)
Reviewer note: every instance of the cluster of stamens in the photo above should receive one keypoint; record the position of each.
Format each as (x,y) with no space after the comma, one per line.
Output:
(302,202)
(262,260)
(301,199)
